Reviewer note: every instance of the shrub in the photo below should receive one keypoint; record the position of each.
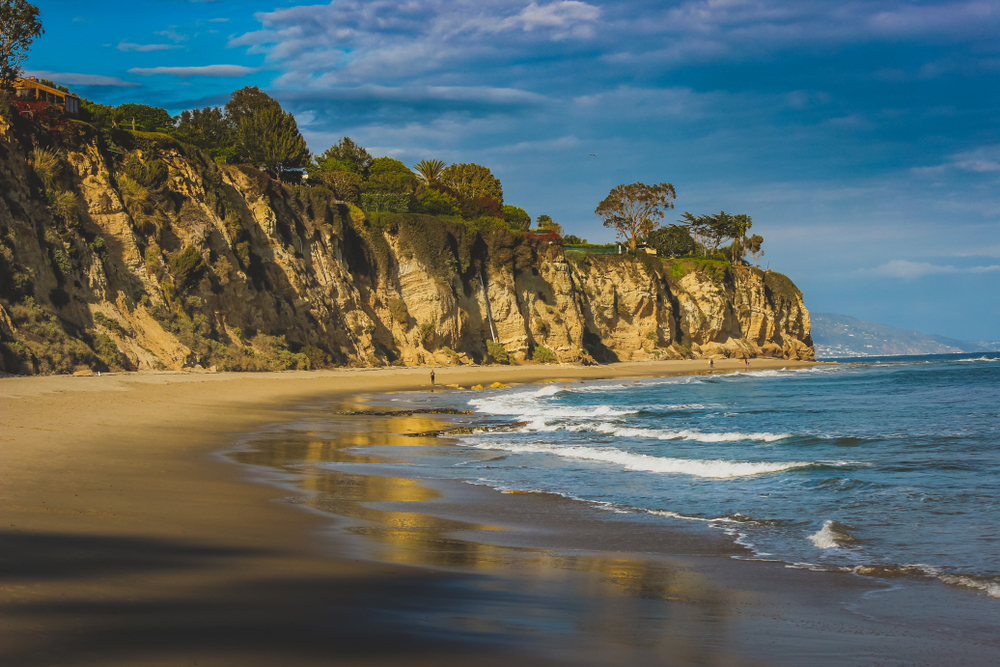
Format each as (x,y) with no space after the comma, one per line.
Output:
(61,264)
(46,166)
(517,217)
(427,333)
(187,266)
(399,311)
(543,355)
(357,215)
(45,346)
(435,202)
(136,198)
(498,352)
(108,353)
(109,324)
(393,202)
(66,206)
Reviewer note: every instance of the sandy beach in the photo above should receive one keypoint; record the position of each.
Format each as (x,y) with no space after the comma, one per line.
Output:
(127,539)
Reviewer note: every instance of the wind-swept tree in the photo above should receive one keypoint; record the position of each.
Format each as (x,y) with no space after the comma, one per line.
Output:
(712,230)
(19,26)
(473,181)
(636,210)
(429,171)
(271,141)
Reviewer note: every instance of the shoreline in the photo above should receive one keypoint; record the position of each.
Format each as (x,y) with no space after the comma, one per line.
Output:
(121,519)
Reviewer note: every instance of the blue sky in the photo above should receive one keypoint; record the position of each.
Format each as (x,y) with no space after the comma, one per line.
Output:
(862,137)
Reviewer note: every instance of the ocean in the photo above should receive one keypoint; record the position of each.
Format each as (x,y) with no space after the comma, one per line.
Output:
(885,467)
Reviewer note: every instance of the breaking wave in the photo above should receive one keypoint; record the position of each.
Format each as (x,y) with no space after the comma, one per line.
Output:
(711,469)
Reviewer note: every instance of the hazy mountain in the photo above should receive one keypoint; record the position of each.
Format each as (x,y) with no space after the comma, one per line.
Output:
(845,336)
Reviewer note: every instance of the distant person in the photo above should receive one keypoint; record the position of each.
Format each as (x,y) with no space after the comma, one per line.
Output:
(746,361)
(432,377)
(711,363)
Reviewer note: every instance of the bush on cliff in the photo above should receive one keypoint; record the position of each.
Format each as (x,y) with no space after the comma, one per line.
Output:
(498,352)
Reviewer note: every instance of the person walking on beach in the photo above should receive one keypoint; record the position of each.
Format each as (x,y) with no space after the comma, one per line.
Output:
(432,377)
(711,363)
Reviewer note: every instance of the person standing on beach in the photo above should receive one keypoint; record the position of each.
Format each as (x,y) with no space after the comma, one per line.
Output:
(711,363)
(432,377)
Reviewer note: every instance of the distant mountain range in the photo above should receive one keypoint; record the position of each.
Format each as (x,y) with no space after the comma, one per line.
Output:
(845,336)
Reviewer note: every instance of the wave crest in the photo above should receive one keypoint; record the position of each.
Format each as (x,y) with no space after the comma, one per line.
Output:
(711,469)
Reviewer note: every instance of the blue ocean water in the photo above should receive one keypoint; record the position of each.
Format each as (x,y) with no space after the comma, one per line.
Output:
(886,467)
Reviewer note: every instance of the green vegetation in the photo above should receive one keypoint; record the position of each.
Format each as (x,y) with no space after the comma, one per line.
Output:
(516,217)
(635,210)
(711,230)
(672,241)
(399,311)
(473,181)
(270,140)
(497,352)
(547,224)
(19,26)
(429,171)
(543,355)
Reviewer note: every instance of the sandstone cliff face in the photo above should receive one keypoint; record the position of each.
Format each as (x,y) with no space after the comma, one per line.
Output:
(222,266)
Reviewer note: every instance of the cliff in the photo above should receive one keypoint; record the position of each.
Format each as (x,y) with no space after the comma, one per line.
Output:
(129,250)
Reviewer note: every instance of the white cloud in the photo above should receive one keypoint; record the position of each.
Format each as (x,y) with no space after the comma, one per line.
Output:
(75,79)
(224,71)
(902,268)
(984,159)
(130,46)
(172,35)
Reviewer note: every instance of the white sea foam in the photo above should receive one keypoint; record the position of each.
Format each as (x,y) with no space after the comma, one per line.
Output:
(979,359)
(712,469)
(831,536)
(688,434)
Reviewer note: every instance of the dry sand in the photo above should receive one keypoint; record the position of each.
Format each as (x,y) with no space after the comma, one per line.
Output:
(126,540)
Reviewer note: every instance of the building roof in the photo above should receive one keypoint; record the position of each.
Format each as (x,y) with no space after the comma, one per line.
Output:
(32,82)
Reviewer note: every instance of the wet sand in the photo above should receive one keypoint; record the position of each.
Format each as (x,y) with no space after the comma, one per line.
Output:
(126,539)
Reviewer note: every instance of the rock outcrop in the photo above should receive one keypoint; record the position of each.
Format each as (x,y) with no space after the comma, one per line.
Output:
(137,252)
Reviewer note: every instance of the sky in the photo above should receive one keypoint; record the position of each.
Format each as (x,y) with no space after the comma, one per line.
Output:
(861,137)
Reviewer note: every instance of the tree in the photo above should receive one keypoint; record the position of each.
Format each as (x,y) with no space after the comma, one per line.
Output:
(429,170)
(752,245)
(388,165)
(146,118)
(672,241)
(345,156)
(345,185)
(271,141)
(435,202)
(389,175)
(246,103)
(712,230)
(636,210)
(19,26)
(205,128)
(481,207)
(545,223)
(472,181)
(517,217)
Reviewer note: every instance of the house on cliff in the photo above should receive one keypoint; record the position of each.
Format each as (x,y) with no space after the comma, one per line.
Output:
(33,90)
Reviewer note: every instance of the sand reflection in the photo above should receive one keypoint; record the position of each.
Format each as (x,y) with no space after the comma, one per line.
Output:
(419,537)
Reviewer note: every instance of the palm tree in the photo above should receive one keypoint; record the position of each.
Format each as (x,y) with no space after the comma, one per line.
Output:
(429,170)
